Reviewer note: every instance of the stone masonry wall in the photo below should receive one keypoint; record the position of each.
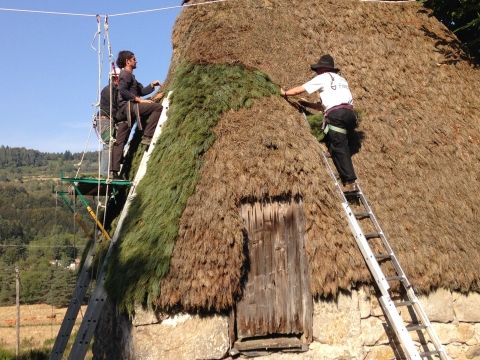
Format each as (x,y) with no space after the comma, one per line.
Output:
(351,327)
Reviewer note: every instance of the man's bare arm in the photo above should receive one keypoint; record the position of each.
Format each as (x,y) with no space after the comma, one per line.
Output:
(293,91)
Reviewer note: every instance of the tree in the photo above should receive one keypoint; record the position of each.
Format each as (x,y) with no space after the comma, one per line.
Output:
(62,284)
(461,16)
(7,285)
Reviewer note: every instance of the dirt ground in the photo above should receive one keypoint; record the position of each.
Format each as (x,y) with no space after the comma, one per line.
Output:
(38,324)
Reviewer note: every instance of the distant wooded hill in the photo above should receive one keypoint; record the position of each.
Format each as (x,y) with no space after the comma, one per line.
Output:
(36,230)
(15,157)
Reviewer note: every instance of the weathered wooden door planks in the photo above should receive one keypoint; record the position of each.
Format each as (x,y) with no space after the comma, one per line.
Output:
(276,299)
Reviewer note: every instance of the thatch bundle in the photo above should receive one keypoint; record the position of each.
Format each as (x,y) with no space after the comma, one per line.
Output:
(418,164)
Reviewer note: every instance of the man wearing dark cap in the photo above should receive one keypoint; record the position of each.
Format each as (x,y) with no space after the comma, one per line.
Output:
(337,105)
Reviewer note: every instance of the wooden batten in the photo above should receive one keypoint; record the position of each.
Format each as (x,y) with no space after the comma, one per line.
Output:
(276,303)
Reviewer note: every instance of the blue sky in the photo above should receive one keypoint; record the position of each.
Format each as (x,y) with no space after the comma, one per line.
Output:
(49,80)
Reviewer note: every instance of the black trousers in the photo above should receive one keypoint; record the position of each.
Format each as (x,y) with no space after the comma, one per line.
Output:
(149,116)
(337,143)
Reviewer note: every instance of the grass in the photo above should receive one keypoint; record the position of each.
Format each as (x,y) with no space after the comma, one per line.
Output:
(202,93)
(42,354)
(316,121)
(37,331)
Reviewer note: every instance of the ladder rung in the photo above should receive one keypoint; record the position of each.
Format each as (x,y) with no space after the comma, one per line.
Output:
(382,257)
(396,277)
(352,194)
(372,235)
(429,353)
(415,327)
(362,215)
(403,303)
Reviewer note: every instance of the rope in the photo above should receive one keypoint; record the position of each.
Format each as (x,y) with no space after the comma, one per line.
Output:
(46,12)
(79,165)
(74,237)
(99,58)
(111,138)
(96,36)
(119,14)
(168,8)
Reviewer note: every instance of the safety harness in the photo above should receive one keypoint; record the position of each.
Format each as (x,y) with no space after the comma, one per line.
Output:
(137,115)
(327,127)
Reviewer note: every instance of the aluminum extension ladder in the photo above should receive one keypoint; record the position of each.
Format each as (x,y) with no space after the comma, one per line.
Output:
(384,255)
(99,295)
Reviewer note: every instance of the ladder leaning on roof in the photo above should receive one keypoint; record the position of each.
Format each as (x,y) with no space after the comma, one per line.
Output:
(99,295)
(390,307)
(82,186)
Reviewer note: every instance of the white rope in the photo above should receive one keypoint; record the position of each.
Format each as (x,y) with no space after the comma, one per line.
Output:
(169,8)
(119,14)
(46,12)
(110,90)
(74,236)
(99,89)
(79,165)
(110,82)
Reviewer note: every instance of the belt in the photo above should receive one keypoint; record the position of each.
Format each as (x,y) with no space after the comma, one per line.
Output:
(337,107)
(334,128)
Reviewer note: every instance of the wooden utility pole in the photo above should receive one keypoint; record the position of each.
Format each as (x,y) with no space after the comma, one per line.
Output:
(17,288)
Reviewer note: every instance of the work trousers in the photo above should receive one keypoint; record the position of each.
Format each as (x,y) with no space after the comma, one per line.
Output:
(337,143)
(149,116)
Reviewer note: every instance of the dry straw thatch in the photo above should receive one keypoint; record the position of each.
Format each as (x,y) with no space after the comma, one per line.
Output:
(419,163)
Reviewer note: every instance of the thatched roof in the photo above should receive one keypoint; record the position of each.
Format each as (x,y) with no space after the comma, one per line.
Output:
(419,164)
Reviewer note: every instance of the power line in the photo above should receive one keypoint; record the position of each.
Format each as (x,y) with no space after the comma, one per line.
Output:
(119,14)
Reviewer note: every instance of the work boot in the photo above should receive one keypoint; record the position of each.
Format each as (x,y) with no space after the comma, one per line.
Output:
(350,187)
(146,140)
(115,176)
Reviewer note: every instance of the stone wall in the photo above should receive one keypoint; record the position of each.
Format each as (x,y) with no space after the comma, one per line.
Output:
(351,327)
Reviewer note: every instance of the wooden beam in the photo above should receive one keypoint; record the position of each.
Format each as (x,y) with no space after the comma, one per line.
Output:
(269,343)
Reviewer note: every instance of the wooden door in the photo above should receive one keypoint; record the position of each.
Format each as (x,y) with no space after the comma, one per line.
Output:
(276,300)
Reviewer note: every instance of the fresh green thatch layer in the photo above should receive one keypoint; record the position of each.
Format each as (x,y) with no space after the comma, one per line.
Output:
(201,94)
(316,122)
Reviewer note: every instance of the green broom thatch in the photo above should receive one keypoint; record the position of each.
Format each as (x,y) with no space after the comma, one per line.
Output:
(201,93)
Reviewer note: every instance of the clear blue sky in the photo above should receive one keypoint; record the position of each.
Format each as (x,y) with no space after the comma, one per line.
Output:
(50,74)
